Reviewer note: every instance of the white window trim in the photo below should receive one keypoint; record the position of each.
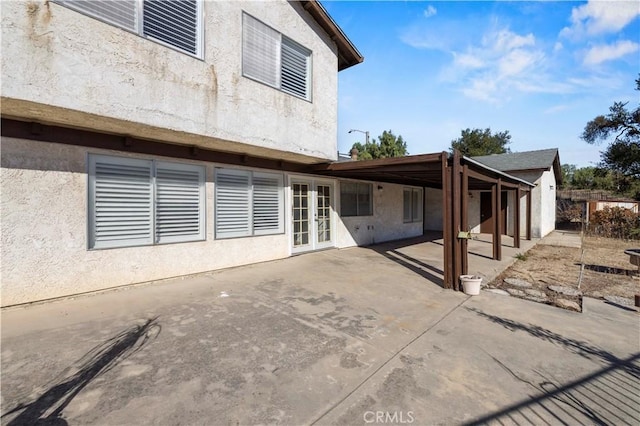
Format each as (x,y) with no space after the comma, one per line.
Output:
(420,202)
(139,30)
(278,85)
(153,238)
(251,232)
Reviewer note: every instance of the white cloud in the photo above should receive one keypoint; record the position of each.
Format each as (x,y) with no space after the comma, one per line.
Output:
(556,108)
(558,47)
(467,60)
(429,11)
(609,52)
(600,17)
(504,61)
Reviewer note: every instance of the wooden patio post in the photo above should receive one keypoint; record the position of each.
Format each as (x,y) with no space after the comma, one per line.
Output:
(496,211)
(529,214)
(456,216)
(516,222)
(447,273)
(465,218)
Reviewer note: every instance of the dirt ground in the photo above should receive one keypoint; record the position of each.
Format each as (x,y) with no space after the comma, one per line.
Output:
(607,270)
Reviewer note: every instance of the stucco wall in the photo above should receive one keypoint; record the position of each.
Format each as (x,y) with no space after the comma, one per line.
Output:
(432,209)
(386,223)
(44,231)
(543,202)
(67,68)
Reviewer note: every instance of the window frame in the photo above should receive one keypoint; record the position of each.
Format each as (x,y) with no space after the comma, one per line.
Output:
(153,238)
(251,231)
(357,202)
(291,44)
(415,200)
(138,28)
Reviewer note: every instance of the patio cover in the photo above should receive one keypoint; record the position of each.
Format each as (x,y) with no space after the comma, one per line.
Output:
(455,175)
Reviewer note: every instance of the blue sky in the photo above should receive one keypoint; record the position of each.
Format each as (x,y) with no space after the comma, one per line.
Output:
(540,70)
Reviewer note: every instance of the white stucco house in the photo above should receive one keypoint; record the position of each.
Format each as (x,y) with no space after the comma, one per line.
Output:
(146,140)
(540,167)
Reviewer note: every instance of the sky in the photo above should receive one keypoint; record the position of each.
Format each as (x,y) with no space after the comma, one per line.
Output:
(540,70)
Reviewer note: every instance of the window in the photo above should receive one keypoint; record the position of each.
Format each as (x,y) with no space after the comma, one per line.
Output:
(355,199)
(412,205)
(248,203)
(274,59)
(136,202)
(175,23)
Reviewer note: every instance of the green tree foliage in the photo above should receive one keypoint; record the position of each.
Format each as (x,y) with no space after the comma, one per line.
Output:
(477,142)
(598,178)
(387,145)
(623,153)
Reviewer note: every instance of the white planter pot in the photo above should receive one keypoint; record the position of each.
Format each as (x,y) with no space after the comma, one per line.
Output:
(470,285)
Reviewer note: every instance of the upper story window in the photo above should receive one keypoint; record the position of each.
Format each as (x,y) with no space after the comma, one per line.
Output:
(274,59)
(175,23)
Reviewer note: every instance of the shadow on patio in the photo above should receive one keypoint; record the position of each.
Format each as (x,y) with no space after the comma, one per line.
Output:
(609,395)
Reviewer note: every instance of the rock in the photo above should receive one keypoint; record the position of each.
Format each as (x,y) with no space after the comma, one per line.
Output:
(535,293)
(498,291)
(619,300)
(517,282)
(568,304)
(516,292)
(567,291)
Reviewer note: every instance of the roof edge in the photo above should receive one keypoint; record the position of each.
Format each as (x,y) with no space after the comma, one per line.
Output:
(348,54)
(479,164)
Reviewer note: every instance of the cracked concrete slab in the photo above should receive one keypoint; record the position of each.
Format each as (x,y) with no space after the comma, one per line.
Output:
(334,337)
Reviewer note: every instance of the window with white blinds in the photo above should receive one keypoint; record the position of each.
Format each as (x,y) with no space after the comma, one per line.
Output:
(248,203)
(176,23)
(136,202)
(274,59)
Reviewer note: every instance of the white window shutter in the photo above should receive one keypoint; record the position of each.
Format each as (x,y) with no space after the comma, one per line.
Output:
(180,212)
(260,51)
(120,202)
(267,204)
(232,203)
(295,68)
(121,13)
(173,22)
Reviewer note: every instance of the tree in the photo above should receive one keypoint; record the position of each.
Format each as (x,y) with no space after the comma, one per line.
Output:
(477,142)
(388,145)
(623,153)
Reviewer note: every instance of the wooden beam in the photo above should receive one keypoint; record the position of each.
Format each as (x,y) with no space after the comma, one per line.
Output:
(464,219)
(456,218)
(516,222)
(529,215)
(93,139)
(446,224)
(422,159)
(496,210)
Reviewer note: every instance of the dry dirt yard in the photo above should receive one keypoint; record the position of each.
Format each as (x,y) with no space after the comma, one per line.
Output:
(607,273)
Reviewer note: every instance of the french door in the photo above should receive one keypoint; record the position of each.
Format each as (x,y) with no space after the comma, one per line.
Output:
(312,215)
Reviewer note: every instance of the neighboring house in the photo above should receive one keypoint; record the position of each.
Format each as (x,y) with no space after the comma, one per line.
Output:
(590,201)
(541,168)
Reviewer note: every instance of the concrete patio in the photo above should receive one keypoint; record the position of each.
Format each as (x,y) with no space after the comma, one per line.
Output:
(354,336)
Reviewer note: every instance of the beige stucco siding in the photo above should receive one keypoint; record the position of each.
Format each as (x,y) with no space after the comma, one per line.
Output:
(386,223)
(44,231)
(70,69)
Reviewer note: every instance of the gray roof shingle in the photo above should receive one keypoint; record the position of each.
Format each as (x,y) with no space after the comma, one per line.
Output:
(529,160)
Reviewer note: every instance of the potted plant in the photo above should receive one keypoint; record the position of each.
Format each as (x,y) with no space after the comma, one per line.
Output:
(471,284)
